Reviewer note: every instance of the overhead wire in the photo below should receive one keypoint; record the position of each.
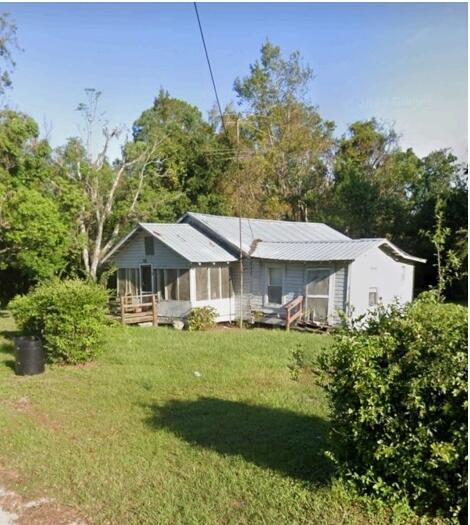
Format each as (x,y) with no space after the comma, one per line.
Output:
(209,65)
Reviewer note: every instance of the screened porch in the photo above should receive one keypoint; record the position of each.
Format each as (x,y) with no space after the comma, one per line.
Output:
(177,290)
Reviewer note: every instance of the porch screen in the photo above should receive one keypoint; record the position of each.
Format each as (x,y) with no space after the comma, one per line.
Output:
(129,281)
(215,283)
(122,281)
(317,294)
(202,280)
(183,285)
(159,280)
(146,276)
(225,277)
(173,284)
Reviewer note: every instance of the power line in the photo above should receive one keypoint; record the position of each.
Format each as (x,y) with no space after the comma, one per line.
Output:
(209,64)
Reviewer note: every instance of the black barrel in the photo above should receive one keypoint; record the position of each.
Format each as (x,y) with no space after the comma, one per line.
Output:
(29,356)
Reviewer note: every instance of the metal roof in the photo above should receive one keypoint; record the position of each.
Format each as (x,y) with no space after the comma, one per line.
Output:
(188,242)
(313,251)
(326,250)
(264,239)
(228,229)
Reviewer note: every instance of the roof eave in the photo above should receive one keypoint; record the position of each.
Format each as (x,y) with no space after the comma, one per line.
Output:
(120,243)
(400,253)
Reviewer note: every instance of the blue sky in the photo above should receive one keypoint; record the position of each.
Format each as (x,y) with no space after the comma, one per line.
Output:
(403,63)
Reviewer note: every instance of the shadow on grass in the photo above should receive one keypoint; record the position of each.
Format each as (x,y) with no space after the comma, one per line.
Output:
(8,347)
(290,443)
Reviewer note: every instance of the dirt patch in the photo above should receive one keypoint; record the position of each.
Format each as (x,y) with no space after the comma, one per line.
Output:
(18,510)
(24,406)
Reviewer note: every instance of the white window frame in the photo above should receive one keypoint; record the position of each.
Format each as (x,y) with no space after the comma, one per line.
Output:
(266,284)
(373,289)
(331,287)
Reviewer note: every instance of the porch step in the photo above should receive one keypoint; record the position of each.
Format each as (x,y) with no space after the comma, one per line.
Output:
(272,321)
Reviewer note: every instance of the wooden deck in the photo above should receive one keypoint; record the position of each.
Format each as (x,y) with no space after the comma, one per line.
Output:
(136,309)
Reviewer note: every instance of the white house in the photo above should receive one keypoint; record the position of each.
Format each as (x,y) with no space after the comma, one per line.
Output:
(198,262)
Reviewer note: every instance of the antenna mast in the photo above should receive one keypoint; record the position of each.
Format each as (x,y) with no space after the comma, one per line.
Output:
(240,221)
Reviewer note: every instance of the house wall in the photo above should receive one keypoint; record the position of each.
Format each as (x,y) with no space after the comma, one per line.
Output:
(132,255)
(393,279)
(254,285)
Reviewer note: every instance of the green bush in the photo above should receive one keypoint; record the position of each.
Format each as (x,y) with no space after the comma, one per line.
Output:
(68,315)
(202,318)
(398,392)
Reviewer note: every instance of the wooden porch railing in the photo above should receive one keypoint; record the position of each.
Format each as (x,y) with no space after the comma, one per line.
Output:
(294,310)
(135,309)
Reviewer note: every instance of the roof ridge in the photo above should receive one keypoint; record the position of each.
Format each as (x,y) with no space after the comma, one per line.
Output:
(166,224)
(338,241)
(252,218)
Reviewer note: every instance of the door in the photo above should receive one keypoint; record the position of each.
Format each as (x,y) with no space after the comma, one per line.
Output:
(317,294)
(146,278)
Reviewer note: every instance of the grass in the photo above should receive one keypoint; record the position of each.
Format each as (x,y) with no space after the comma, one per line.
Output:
(172,427)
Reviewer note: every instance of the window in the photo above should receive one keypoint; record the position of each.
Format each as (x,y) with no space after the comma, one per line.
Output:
(318,294)
(202,280)
(149,246)
(274,285)
(373,296)
(146,278)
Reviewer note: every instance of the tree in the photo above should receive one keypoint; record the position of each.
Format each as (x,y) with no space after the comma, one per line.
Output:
(35,233)
(289,141)
(440,214)
(372,182)
(188,163)
(8,43)
(103,194)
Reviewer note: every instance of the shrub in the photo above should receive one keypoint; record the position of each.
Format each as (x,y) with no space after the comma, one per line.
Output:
(202,318)
(398,392)
(68,315)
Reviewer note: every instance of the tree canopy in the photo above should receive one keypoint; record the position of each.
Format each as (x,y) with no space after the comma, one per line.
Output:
(62,210)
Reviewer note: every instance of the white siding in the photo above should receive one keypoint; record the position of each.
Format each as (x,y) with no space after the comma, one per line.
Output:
(254,280)
(375,269)
(132,255)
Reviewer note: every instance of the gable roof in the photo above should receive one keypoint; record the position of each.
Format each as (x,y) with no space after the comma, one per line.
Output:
(290,241)
(184,240)
(318,251)
(266,230)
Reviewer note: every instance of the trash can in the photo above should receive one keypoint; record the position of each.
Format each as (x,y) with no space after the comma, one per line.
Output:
(29,356)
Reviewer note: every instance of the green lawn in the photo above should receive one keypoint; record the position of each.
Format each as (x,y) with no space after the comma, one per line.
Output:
(177,428)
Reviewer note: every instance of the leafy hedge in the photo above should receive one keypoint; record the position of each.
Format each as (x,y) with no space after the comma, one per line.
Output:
(398,392)
(68,315)
(202,318)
